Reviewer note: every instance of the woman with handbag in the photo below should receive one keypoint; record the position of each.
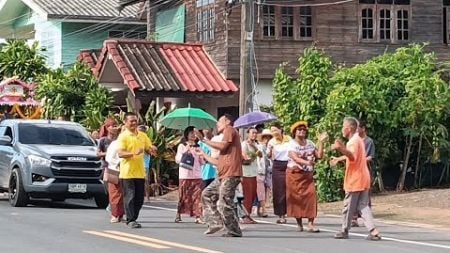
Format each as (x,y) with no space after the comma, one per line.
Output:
(111,176)
(190,177)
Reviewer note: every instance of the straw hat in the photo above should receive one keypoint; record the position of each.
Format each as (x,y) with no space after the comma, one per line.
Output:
(297,124)
(266,132)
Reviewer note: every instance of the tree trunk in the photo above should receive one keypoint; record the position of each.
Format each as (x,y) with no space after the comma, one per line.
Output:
(416,172)
(380,181)
(156,177)
(401,180)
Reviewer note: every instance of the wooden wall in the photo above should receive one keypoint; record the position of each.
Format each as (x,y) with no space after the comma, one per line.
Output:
(336,32)
(218,48)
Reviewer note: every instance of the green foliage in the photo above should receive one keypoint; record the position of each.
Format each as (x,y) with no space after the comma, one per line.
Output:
(97,104)
(304,98)
(75,95)
(19,59)
(401,96)
(165,140)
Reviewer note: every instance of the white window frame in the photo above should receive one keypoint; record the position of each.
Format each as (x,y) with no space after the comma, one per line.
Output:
(393,8)
(206,18)
(269,20)
(306,26)
(278,27)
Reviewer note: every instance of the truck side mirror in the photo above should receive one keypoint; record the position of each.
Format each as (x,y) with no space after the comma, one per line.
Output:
(5,140)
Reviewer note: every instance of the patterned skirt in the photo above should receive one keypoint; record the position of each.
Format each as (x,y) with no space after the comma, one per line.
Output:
(190,201)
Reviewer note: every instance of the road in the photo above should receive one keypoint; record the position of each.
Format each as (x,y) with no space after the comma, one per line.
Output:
(76,226)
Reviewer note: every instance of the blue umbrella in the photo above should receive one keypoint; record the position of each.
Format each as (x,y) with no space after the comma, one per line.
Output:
(253,118)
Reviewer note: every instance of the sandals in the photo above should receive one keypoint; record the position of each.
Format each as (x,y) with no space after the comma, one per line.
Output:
(341,235)
(313,230)
(355,223)
(248,220)
(299,228)
(199,221)
(281,221)
(263,215)
(178,220)
(372,237)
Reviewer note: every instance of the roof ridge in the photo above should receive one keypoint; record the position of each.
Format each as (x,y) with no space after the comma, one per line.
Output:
(143,41)
(105,9)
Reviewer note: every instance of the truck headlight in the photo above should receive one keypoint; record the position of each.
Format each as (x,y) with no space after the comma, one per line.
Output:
(39,161)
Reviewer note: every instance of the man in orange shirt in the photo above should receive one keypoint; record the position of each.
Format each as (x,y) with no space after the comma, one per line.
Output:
(356,180)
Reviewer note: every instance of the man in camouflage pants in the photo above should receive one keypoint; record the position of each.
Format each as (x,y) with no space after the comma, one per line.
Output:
(218,197)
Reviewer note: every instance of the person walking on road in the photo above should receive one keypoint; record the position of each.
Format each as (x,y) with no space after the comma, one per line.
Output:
(250,151)
(264,177)
(301,197)
(277,150)
(209,171)
(218,197)
(114,188)
(132,144)
(356,180)
(190,177)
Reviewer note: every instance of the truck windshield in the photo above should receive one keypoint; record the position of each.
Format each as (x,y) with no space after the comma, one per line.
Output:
(56,134)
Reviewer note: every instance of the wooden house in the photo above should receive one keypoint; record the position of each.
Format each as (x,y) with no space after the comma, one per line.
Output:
(349,31)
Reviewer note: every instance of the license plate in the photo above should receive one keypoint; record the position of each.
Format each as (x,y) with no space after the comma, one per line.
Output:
(78,188)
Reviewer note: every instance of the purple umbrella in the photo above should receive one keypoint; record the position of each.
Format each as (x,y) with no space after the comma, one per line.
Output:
(253,118)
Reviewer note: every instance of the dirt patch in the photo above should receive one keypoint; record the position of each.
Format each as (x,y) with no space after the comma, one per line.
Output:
(429,206)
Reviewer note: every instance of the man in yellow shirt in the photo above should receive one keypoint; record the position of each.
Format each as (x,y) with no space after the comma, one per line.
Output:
(132,144)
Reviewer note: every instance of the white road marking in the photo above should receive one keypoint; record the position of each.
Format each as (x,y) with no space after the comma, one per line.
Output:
(335,231)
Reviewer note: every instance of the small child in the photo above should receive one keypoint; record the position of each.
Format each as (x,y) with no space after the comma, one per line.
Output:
(241,212)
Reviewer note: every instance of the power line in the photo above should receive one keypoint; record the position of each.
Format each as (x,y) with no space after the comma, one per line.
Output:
(305,5)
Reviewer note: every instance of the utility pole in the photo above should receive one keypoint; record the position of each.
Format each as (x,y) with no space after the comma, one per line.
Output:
(150,20)
(245,84)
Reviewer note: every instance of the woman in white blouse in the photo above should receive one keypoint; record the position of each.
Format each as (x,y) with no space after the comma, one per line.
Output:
(278,150)
(114,189)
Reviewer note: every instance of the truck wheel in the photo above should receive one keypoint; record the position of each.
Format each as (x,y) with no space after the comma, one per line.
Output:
(102,201)
(17,195)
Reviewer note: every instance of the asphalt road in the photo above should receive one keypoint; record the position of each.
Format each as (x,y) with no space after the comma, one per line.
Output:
(77,226)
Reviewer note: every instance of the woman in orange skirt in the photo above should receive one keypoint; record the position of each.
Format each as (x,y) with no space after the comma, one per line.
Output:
(301,195)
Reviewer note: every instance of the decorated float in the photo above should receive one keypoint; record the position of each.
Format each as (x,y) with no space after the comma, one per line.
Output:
(17,100)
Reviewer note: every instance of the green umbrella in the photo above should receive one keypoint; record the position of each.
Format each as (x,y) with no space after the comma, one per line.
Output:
(184,117)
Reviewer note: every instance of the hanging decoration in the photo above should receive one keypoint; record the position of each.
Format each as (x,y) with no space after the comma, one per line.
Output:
(17,100)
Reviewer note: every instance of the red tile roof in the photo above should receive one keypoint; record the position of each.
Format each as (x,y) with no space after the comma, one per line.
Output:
(154,66)
(89,56)
(195,69)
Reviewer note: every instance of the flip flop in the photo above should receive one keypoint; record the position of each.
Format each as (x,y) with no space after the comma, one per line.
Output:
(281,221)
(178,220)
(199,221)
(371,237)
(313,230)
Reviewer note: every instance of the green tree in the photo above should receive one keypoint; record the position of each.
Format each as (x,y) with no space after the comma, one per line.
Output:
(75,95)
(304,98)
(401,95)
(403,100)
(165,140)
(21,60)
